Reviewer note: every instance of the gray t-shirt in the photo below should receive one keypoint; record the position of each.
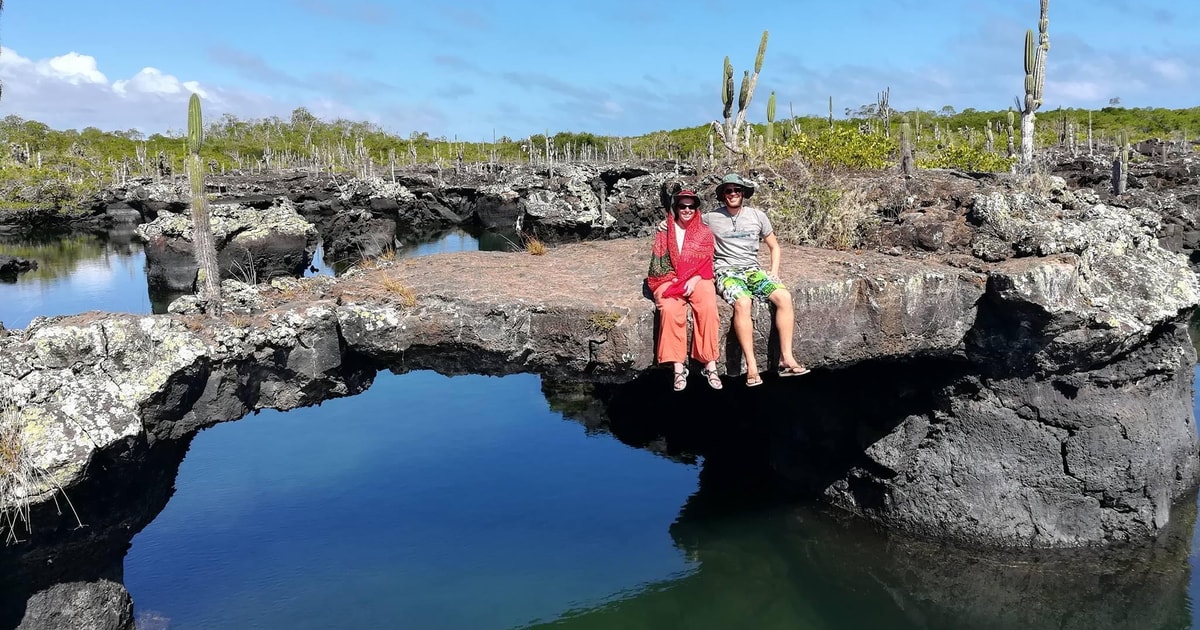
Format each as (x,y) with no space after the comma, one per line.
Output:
(737,238)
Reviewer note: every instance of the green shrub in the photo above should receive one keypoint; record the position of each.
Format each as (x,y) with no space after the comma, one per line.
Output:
(965,158)
(839,147)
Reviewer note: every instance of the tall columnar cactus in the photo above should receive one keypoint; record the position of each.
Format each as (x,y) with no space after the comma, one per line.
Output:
(205,251)
(906,157)
(885,111)
(771,119)
(831,111)
(1120,165)
(1089,132)
(730,131)
(1035,80)
(1012,142)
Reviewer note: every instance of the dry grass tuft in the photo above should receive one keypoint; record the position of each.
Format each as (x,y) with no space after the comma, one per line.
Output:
(393,286)
(21,480)
(534,246)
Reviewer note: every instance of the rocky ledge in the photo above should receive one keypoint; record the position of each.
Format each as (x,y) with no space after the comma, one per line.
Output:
(1065,419)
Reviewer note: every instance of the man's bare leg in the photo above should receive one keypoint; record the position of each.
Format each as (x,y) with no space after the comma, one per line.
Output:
(785,321)
(743,329)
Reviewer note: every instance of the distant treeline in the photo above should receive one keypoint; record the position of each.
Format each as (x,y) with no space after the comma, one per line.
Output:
(40,165)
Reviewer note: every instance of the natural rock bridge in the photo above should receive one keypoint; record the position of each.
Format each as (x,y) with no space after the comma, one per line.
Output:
(1055,411)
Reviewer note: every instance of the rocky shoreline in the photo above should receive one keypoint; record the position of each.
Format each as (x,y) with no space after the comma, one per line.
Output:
(1039,375)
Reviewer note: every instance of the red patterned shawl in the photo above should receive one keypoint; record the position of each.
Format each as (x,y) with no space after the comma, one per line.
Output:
(668,263)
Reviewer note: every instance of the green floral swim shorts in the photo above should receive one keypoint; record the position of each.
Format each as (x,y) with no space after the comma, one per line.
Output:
(736,283)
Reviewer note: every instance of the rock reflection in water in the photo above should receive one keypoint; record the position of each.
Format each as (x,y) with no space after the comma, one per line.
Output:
(769,558)
(800,568)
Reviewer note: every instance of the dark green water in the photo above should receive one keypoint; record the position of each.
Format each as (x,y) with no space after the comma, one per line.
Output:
(473,502)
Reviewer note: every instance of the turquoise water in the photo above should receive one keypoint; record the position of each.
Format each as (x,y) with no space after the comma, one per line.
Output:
(472,502)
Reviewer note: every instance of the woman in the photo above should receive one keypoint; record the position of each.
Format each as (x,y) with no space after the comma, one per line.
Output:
(681,273)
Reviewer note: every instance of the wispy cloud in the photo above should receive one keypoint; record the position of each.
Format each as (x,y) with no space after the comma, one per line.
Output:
(466,18)
(553,85)
(1129,9)
(251,66)
(364,11)
(454,62)
(455,90)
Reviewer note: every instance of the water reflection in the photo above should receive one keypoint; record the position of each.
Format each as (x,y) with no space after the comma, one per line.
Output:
(76,273)
(767,558)
(801,568)
(79,272)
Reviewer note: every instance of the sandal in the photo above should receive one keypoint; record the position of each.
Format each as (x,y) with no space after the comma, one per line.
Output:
(714,379)
(793,371)
(753,380)
(680,380)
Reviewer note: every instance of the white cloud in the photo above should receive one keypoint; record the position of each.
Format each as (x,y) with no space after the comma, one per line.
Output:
(72,68)
(152,81)
(70,92)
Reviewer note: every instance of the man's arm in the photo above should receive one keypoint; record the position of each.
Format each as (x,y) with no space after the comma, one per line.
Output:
(776,253)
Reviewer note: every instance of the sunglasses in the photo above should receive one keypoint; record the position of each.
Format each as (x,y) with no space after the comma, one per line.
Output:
(732,190)
(688,206)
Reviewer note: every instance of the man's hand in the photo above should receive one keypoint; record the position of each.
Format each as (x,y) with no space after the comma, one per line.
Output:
(662,225)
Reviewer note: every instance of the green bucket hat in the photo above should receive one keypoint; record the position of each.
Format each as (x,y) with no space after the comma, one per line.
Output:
(734,178)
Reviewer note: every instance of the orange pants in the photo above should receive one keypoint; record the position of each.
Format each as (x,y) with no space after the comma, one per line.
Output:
(672,317)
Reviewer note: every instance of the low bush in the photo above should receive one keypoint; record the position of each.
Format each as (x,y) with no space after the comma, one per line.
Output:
(965,158)
(840,147)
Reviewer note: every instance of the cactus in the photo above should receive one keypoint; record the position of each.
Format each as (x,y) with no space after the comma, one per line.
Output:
(209,275)
(907,166)
(885,111)
(1120,165)
(730,131)
(771,119)
(831,112)
(1012,143)
(1035,81)
(1089,132)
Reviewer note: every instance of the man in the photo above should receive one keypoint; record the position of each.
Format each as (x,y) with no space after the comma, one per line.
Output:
(737,230)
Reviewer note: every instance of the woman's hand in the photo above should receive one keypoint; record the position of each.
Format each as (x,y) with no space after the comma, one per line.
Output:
(690,285)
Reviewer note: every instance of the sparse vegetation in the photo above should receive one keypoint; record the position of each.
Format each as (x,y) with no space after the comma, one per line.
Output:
(44,168)
(603,321)
(21,479)
(407,296)
(966,158)
(840,147)
(821,214)
(534,245)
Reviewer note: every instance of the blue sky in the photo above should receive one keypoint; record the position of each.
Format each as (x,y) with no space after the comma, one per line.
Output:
(472,68)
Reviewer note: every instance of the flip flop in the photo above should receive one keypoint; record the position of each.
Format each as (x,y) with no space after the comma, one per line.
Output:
(785,371)
(753,380)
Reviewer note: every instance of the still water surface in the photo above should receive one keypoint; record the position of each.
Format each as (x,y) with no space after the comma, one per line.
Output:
(473,502)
